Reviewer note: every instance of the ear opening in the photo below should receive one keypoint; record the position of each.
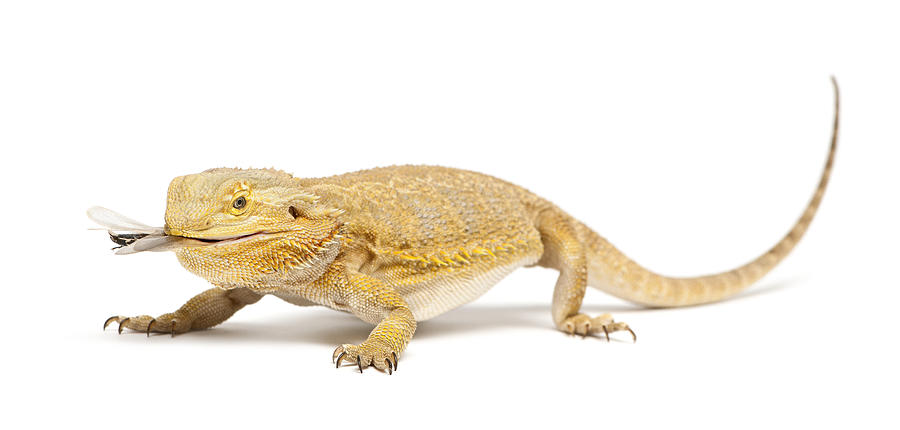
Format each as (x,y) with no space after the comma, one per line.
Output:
(294,212)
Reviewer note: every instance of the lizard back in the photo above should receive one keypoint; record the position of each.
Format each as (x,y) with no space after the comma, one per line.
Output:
(443,236)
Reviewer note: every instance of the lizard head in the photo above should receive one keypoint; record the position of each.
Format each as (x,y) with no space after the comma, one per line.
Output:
(221,204)
(260,226)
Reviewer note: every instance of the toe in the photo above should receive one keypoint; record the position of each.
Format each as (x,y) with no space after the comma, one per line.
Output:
(337,354)
(110,320)
(366,354)
(345,353)
(380,361)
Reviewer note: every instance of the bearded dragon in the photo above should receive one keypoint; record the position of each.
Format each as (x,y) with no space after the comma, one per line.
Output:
(398,245)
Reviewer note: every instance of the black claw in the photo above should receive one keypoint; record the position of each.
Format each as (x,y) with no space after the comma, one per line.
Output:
(388,361)
(606,332)
(395,360)
(109,320)
(174,321)
(633,336)
(359,363)
(338,361)
(122,324)
(150,324)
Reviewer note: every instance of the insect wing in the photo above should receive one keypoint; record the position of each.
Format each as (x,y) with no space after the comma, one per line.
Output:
(115,221)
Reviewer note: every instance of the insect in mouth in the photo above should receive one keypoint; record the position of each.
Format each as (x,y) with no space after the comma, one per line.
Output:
(125,239)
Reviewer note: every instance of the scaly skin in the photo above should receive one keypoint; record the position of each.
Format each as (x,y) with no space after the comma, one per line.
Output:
(402,244)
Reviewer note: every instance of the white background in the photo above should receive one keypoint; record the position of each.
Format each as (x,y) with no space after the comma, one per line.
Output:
(690,134)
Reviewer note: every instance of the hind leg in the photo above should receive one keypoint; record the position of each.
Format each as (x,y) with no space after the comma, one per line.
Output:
(564,251)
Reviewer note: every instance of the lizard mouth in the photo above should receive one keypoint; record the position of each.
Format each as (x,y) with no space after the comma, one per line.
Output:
(238,238)
(130,242)
(213,239)
(133,236)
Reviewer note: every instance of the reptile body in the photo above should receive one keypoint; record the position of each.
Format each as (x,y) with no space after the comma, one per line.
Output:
(402,244)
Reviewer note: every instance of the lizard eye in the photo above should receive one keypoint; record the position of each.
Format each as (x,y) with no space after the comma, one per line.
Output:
(239,202)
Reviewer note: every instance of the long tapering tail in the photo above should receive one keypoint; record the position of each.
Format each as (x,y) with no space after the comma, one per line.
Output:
(616,274)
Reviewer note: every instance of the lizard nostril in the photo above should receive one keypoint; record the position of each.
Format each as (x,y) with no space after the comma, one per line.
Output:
(294,212)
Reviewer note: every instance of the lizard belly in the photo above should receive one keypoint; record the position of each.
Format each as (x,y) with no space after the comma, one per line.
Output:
(431,294)
(294,299)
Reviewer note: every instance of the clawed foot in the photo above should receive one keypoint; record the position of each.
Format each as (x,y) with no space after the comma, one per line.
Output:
(367,354)
(167,323)
(585,325)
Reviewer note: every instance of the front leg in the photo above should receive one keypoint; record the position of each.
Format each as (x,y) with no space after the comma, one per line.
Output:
(205,310)
(376,302)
